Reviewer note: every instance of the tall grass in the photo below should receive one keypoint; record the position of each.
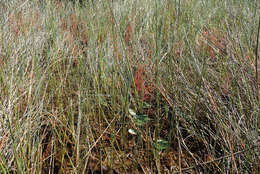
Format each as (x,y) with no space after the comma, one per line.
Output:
(129,87)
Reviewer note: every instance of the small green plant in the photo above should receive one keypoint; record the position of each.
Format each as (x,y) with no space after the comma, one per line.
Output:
(139,119)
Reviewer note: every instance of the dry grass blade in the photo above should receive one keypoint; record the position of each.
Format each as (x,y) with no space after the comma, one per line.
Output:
(99,138)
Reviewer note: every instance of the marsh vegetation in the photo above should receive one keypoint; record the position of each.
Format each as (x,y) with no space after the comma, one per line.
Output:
(113,86)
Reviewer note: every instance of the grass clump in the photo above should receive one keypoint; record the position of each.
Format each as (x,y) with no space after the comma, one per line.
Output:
(128,87)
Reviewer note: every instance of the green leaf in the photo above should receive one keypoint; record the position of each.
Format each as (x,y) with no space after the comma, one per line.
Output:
(141,119)
(161,144)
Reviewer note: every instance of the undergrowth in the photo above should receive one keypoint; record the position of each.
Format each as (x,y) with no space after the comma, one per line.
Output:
(129,86)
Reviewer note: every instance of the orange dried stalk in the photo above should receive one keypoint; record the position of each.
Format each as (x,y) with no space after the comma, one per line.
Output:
(138,79)
(77,32)
(128,35)
(143,89)
(73,33)
(84,37)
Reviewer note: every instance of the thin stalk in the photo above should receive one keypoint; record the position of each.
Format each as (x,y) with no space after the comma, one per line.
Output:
(256,67)
(78,130)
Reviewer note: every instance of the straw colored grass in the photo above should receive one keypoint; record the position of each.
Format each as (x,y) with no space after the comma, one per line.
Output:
(129,86)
